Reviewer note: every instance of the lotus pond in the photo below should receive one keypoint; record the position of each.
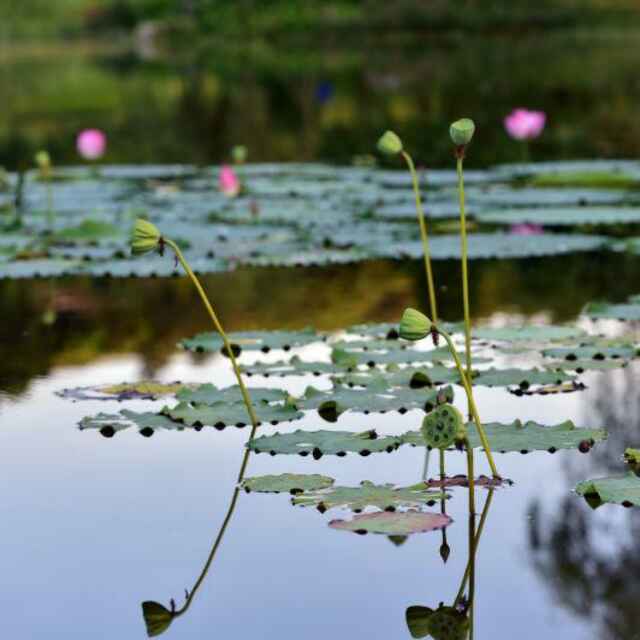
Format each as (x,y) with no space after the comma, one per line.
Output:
(140,499)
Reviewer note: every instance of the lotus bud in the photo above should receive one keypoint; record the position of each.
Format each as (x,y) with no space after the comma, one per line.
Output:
(390,144)
(445,551)
(239,154)
(461,132)
(156,617)
(43,161)
(414,325)
(145,238)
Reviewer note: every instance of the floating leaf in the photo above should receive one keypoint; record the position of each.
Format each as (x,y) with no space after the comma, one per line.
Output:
(587,178)
(293,367)
(368,494)
(562,216)
(287,483)
(222,414)
(143,390)
(526,437)
(253,340)
(394,524)
(522,378)
(597,310)
(528,333)
(463,481)
(110,424)
(393,377)
(319,443)
(596,352)
(624,490)
(579,366)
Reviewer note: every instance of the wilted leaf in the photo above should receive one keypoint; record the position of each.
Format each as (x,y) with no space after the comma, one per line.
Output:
(398,523)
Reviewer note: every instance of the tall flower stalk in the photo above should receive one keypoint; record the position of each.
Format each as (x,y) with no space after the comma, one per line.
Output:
(416,326)
(390,144)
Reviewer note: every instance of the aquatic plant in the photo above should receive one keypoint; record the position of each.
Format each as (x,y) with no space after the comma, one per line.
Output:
(91,144)
(522,124)
(229,182)
(390,144)
(239,154)
(45,173)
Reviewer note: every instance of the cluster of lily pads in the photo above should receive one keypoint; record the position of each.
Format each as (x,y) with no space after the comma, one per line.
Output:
(76,221)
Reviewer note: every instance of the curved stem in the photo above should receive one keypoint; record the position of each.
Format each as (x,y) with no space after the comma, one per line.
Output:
(220,330)
(465,274)
(424,236)
(472,405)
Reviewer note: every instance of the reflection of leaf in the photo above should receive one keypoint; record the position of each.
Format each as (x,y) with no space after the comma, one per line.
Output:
(525,437)
(293,367)
(397,523)
(384,496)
(156,617)
(143,390)
(319,443)
(286,483)
(624,490)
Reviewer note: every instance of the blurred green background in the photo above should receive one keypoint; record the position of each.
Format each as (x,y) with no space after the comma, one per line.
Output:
(185,80)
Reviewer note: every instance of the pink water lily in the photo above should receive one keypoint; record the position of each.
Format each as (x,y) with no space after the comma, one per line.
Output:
(91,144)
(526,229)
(228,181)
(523,124)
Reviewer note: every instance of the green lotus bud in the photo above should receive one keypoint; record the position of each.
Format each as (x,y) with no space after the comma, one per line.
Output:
(145,237)
(414,325)
(443,427)
(461,132)
(43,160)
(156,617)
(390,144)
(239,154)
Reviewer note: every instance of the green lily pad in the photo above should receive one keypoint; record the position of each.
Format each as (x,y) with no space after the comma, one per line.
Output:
(391,378)
(522,378)
(287,483)
(222,414)
(595,352)
(110,424)
(368,494)
(253,340)
(319,443)
(526,437)
(598,310)
(210,394)
(562,216)
(624,490)
(393,524)
(586,178)
(293,367)
(88,231)
(579,366)
(528,333)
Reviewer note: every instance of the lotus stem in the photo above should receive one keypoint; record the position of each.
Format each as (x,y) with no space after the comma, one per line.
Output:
(223,335)
(423,235)
(465,274)
(473,409)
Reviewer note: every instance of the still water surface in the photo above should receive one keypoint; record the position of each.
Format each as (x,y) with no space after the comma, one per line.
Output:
(94,526)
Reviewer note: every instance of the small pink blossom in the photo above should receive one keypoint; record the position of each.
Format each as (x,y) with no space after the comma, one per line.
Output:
(91,144)
(523,124)
(526,229)
(228,181)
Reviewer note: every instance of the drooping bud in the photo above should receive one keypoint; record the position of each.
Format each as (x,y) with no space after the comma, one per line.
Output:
(156,617)
(414,325)
(461,131)
(145,237)
(445,551)
(389,144)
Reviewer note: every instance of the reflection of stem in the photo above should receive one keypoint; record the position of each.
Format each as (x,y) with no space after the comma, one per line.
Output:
(220,330)
(483,518)
(472,535)
(424,236)
(425,469)
(465,275)
(49,201)
(472,405)
(443,500)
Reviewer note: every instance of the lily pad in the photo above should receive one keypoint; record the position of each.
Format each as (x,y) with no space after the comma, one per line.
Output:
(522,378)
(396,524)
(624,490)
(110,424)
(595,352)
(253,340)
(143,390)
(293,367)
(319,443)
(526,437)
(563,216)
(528,333)
(598,310)
(287,483)
(210,394)
(368,494)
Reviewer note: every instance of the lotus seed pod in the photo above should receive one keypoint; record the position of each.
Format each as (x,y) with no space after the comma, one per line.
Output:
(145,237)
(414,325)
(390,144)
(443,427)
(446,623)
(239,154)
(461,131)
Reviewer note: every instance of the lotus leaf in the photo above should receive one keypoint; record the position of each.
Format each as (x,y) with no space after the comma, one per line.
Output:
(287,483)
(623,490)
(397,524)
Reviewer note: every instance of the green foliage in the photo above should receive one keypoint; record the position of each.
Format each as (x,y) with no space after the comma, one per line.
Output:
(287,483)
(623,490)
(398,524)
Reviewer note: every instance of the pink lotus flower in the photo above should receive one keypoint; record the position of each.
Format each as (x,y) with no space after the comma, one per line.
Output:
(526,229)
(522,124)
(228,181)
(91,144)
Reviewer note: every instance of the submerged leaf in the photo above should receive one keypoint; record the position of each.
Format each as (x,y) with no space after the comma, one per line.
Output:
(368,494)
(398,523)
(624,490)
(287,483)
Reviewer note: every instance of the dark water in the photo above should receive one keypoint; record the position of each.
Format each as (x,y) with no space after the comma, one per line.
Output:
(326,96)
